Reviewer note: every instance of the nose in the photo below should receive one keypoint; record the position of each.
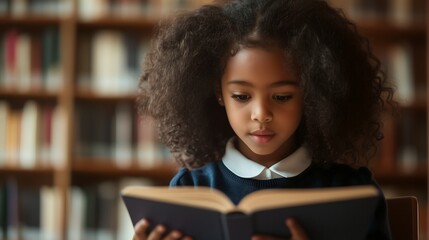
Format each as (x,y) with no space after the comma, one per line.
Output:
(261,112)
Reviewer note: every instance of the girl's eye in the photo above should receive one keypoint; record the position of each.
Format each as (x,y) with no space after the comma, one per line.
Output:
(281,98)
(241,98)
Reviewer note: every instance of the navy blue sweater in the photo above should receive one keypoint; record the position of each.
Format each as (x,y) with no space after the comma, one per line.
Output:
(218,176)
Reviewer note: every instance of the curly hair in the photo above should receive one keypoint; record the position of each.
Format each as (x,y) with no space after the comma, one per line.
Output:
(344,89)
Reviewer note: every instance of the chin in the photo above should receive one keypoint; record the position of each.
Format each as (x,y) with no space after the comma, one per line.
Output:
(259,151)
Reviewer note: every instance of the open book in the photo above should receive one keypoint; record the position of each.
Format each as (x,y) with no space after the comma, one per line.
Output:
(208,214)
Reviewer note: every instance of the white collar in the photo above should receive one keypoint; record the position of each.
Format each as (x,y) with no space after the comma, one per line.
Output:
(241,166)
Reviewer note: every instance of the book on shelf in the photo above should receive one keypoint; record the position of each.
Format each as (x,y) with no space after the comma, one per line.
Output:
(123,135)
(28,212)
(30,60)
(205,213)
(4,109)
(114,62)
(13,137)
(400,71)
(30,135)
(34,135)
(95,210)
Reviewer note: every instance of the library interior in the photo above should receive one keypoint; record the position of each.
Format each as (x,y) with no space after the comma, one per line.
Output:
(71,138)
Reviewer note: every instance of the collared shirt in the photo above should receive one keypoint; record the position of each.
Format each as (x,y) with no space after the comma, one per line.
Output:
(241,166)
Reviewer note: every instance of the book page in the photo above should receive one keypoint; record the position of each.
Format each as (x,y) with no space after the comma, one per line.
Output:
(201,197)
(275,198)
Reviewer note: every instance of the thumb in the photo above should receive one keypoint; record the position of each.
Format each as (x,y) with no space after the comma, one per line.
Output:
(296,230)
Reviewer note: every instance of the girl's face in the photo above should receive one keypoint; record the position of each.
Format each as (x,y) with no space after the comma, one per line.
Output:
(263,101)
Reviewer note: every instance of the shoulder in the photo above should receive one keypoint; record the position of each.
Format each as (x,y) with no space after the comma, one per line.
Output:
(341,175)
(199,176)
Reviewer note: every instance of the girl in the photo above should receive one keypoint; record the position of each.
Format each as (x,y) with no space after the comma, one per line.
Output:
(265,94)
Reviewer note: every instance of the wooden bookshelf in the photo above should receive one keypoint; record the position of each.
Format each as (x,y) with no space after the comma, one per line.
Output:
(96,170)
(28,177)
(78,170)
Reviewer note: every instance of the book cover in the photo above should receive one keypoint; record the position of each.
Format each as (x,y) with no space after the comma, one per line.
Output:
(204,213)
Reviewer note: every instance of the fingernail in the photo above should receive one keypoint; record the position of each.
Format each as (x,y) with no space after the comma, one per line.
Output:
(141,223)
(160,228)
(176,234)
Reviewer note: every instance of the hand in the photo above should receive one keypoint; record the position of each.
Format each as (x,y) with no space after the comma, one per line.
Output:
(142,226)
(296,231)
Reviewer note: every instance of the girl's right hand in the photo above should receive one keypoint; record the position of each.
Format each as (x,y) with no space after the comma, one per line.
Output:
(157,233)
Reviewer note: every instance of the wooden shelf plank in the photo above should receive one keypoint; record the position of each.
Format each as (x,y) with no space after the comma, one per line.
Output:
(399,178)
(25,95)
(29,20)
(92,96)
(114,21)
(37,176)
(91,170)
(387,30)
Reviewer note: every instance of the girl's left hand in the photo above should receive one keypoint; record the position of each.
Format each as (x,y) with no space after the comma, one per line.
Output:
(296,231)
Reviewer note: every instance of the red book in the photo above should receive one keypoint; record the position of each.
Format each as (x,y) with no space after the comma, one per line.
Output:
(11,39)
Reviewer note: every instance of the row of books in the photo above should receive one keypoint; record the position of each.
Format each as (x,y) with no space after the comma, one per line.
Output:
(412,140)
(36,7)
(32,135)
(98,212)
(30,60)
(109,62)
(95,211)
(28,213)
(117,134)
(154,8)
(398,12)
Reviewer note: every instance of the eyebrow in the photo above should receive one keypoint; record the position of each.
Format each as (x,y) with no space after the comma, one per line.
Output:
(276,84)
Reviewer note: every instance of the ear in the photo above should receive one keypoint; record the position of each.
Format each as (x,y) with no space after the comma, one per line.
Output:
(218,94)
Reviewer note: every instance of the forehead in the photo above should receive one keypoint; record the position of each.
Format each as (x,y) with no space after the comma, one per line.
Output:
(257,64)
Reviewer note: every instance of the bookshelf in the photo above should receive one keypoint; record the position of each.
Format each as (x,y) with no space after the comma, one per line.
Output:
(71,103)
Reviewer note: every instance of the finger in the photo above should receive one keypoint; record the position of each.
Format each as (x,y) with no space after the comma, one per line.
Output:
(296,230)
(173,235)
(140,230)
(263,237)
(157,233)
(187,238)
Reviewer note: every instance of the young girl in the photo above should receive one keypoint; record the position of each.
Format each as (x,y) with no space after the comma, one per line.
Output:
(265,94)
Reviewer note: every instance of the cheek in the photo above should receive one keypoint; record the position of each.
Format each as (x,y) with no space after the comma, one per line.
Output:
(293,115)
(237,117)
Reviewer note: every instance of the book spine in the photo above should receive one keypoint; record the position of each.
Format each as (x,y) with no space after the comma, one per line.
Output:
(237,226)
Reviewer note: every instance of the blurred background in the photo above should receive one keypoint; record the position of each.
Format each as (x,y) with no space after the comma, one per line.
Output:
(70,137)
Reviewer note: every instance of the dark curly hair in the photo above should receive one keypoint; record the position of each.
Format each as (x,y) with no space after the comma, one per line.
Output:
(344,89)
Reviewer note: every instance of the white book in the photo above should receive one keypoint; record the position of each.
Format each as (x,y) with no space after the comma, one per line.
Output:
(23,60)
(93,9)
(58,143)
(4,109)
(123,135)
(108,62)
(76,214)
(49,213)
(401,73)
(19,7)
(29,135)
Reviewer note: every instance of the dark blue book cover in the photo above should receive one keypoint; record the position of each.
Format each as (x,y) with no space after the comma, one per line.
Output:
(207,214)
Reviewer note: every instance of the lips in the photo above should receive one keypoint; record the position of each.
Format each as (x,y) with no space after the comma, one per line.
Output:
(262,136)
